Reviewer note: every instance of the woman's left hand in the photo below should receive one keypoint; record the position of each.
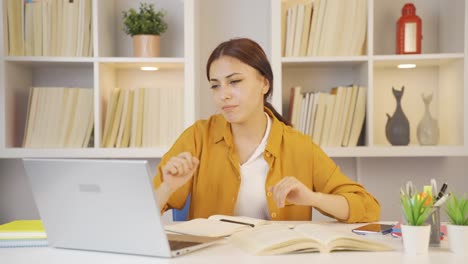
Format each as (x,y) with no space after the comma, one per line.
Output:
(291,190)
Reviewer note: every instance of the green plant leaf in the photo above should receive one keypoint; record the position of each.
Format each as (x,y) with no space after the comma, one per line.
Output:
(457,210)
(146,21)
(414,209)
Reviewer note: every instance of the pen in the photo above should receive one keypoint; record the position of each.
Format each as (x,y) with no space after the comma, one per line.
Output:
(442,191)
(442,200)
(236,222)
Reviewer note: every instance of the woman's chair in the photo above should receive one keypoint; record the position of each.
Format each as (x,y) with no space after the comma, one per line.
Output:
(182,214)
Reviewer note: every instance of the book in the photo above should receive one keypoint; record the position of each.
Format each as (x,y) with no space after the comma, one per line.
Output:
(22,229)
(215,225)
(128,121)
(123,118)
(319,117)
(297,42)
(9,243)
(349,116)
(137,118)
(330,105)
(358,117)
(280,239)
(306,28)
(30,116)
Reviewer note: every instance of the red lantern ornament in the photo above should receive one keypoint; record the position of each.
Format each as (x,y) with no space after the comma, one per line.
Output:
(409,31)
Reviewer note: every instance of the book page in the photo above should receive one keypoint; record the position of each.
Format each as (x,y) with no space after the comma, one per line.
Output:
(336,240)
(273,239)
(206,227)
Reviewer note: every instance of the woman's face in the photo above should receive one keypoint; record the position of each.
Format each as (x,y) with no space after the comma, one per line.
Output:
(237,88)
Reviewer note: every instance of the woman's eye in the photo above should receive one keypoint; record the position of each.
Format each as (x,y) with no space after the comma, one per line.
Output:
(235,81)
(214,86)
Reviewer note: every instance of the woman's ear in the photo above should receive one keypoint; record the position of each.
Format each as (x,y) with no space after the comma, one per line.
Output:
(266,86)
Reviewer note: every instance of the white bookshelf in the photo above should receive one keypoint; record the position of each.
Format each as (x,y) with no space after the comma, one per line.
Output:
(196,27)
(112,65)
(441,69)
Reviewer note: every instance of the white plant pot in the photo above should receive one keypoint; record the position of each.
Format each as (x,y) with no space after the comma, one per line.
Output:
(458,239)
(416,239)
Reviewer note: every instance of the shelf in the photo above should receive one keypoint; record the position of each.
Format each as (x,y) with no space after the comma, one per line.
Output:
(425,60)
(84,153)
(48,59)
(177,60)
(351,152)
(397,151)
(323,61)
(136,63)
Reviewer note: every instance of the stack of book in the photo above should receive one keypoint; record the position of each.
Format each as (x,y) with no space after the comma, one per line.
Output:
(143,117)
(59,117)
(49,28)
(331,119)
(323,27)
(23,233)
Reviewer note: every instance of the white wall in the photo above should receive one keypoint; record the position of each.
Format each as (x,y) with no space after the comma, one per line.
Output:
(381,176)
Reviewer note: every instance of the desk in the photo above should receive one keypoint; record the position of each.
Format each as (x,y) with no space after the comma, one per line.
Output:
(225,253)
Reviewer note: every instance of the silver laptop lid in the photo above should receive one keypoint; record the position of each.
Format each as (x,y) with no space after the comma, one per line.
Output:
(102,205)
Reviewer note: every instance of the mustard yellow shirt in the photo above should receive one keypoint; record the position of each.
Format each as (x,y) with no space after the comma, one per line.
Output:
(215,184)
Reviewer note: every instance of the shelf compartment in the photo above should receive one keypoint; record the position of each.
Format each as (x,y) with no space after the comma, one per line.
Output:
(322,77)
(442,25)
(20,76)
(114,42)
(441,75)
(165,86)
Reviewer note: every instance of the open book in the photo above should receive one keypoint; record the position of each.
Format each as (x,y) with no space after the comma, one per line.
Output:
(279,239)
(215,225)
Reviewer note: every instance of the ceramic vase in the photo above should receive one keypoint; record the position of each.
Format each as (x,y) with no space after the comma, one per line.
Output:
(416,239)
(428,128)
(458,238)
(397,129)
(146,45)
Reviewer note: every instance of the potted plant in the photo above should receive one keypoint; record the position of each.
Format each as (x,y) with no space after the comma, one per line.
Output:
(416,209)
(145,27)
(457,211)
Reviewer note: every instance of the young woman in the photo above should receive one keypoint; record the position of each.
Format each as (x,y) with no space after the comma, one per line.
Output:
(247,160)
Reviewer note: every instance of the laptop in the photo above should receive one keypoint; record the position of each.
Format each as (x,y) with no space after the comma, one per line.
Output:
(103,205)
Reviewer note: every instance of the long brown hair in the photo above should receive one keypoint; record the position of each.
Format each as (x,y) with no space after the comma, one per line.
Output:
(250,53)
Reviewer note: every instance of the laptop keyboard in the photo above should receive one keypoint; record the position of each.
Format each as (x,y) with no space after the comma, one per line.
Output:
(176,245)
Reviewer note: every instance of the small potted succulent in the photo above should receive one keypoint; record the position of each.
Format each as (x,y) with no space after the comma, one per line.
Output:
(457,210)
(416,232)
(145,27)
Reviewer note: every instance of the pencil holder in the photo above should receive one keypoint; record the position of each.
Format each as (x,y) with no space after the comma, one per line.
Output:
(434,221)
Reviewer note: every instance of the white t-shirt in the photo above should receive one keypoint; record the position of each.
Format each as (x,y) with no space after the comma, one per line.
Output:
(251,200)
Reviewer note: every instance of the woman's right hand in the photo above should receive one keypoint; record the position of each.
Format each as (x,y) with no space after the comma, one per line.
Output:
(179,169)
